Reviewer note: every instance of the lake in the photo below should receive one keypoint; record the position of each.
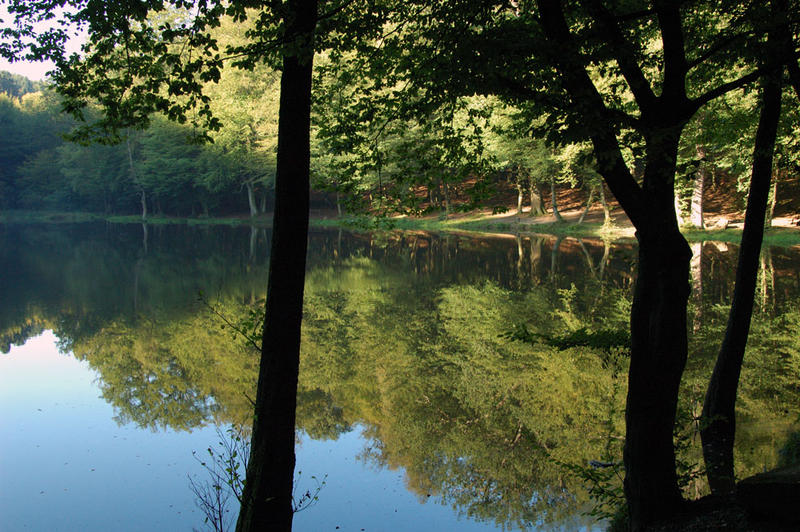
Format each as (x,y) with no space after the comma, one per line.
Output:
(444,384)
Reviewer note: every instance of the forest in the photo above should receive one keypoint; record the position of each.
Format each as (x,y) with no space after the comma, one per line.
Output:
(482,152)
(400,106)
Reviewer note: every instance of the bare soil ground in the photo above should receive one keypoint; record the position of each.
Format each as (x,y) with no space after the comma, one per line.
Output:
(721,200)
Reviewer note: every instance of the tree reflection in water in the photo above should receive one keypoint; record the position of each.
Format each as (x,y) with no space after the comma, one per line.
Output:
(405,335)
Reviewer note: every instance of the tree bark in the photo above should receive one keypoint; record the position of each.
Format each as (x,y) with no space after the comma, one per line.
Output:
(696,266)
(696,212)
(719,416)
(537,205)
(604,203)
(251,199)
(267,497)
(589,203)
(659,342)
(554,200)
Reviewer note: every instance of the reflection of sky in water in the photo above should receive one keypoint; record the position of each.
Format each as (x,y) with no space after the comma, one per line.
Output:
(66,465)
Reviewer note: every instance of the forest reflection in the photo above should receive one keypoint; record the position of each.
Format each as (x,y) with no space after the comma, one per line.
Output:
(409,335)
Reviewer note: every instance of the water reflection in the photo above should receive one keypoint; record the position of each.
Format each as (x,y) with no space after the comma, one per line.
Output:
(405,337)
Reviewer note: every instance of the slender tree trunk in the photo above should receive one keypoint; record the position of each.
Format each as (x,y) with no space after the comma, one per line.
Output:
(446,200)
(338,204)
(251,200)
(696,211)
(519,199)
(589,203)
(719,416)
(554,199)
(696,267)
(773,200)
(135,179)
(604,203)
(143,200)
(267,498)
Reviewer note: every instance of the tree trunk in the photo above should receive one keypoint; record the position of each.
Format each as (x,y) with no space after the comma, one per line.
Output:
(267,498)
(773,200)
(251,200)
(589,203)
(338,204)
(659,343)
(519,199)
(719,414)
(143,200)
(696,267)
(604,203)
(537,205)
(446,200)
(696,212)
(554,199)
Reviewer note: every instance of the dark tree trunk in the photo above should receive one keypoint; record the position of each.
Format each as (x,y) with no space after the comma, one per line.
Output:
(719,425)
(267,498)
(658,342)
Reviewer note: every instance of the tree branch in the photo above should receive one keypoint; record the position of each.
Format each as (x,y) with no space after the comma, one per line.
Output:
(592,110)
(624,55)
(675,67)
(718,91)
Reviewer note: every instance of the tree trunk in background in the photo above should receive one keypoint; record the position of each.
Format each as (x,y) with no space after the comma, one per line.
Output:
(446,200)
(589,203)
(696,267)
(604,203)
(135,178)
(519,198)
(537,205)
(773,200)
(719,415)
(696,212)
(554,199)
(251,200)
(267,498)
(143,200)
(338,204)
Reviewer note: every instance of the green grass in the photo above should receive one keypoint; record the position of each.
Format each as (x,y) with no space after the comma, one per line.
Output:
(774,236)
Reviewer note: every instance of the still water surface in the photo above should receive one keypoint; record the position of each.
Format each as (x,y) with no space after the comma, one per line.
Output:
(418,403)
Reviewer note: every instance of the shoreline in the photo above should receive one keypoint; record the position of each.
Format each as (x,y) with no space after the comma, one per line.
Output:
(780,234)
